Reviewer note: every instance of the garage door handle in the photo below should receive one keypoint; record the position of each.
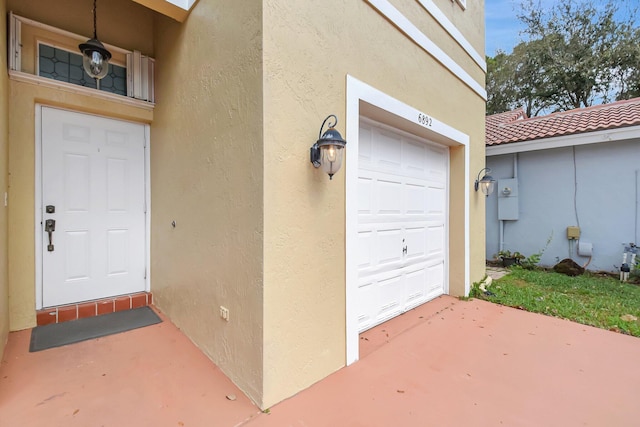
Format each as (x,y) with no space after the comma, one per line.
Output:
(404,250)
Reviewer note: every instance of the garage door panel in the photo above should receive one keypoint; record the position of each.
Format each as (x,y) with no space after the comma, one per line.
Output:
(416,197)
(435,241)
(365,193)
(390,297)
(416,288)
(436,200)
(389,197)
(435,279)
(415,242)
(436,164)
(415,160)
(387,151)
(389,245)
(365,242)
(365,146)
(368,300)
(402,204)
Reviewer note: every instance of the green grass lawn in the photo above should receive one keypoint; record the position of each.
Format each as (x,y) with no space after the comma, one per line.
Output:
(598,301)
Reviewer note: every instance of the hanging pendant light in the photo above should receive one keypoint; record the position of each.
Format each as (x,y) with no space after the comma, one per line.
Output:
(95,57)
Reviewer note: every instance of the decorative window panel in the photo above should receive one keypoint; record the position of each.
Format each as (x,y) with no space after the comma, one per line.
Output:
(62,65)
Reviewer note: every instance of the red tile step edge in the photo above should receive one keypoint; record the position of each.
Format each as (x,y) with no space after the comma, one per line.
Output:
(64,313)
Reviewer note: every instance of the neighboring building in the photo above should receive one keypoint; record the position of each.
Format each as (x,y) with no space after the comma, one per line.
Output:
(188,175)
(577,169)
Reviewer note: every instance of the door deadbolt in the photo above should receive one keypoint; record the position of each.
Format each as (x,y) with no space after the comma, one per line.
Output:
(50,209)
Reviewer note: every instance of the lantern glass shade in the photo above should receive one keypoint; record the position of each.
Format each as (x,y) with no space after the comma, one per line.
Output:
(95,58)
(331,158)
(487,185)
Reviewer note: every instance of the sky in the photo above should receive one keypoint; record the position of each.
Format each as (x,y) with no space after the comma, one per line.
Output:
(502,26)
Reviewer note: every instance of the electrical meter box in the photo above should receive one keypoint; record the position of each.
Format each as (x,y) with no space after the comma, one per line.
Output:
(508,199)
(573,233)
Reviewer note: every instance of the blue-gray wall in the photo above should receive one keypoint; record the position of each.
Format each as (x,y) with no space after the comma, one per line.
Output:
(606,201)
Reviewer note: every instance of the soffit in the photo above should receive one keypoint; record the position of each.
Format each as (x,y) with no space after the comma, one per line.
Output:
(174,9)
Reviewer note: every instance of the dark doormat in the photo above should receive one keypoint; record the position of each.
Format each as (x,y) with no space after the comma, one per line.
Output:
(59,334)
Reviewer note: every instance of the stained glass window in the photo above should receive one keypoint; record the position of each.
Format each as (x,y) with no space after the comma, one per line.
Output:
(65,66)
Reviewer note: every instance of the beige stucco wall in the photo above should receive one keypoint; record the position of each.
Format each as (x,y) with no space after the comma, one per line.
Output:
(304,248)
(4,152)
(241,90)
(121,23)
(23,98)
(207,173)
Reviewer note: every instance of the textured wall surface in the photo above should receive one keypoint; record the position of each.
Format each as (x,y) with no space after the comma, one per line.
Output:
(4,153)
(606,177)
(308,52)
(120,23)
(241,90)
(207,173)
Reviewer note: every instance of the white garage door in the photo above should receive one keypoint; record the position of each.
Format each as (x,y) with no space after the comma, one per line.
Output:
(402,222)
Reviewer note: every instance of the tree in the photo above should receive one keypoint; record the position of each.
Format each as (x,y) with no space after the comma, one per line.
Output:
(628,70)
(500,87)
(514,80)
(576,54)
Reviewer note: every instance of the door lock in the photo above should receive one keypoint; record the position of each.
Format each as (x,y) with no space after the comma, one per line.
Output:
(50,227)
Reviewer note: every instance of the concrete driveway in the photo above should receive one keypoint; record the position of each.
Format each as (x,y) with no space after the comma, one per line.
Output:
(447,363)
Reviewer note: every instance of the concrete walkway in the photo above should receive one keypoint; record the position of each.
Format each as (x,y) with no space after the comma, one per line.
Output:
(447,363)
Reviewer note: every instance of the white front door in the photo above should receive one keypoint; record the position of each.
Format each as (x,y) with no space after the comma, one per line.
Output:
(93,187)
(402,216)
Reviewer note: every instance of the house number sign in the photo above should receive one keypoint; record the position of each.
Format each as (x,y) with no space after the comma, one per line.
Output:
(425,120)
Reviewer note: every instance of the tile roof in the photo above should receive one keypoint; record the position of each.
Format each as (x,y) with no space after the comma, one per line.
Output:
(515,126)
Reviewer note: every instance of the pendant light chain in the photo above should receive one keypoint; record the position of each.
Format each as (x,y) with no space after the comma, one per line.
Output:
(95,57)
(95,25)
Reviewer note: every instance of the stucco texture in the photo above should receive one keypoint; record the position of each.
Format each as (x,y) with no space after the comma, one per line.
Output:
(241,91)
(121,23)
(308,51)
(207,176)
(4,154)
(594,186)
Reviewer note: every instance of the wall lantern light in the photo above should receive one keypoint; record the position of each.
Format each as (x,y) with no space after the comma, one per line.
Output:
(486,184)
(95,57)
(329,148)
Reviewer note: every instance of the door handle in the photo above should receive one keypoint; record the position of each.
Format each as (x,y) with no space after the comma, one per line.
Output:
(50,227)
(404,248)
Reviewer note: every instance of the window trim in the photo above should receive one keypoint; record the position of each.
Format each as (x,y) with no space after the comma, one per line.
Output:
(57,46)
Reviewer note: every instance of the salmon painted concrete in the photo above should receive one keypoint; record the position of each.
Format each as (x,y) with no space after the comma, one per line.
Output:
(447,363)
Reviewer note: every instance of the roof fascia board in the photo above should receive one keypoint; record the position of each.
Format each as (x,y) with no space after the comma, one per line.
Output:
(607,135)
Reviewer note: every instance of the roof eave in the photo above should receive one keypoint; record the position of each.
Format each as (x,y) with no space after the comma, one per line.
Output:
(596,137)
